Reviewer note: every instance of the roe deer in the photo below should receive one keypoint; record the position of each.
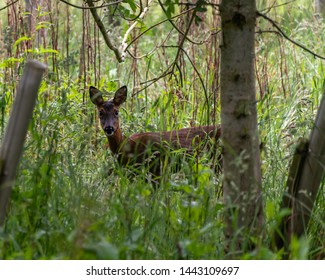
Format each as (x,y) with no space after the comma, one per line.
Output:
(147,146)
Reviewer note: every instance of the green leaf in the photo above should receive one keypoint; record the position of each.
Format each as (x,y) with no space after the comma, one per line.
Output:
(21,39)
(197,20)
(170,7)
(11,62)
(132,4)
(103,250)
(42,51)
(200,6)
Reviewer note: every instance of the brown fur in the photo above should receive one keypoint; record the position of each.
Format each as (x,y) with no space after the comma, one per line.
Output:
(148,146)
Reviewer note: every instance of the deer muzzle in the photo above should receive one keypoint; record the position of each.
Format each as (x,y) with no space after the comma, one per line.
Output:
(109,130)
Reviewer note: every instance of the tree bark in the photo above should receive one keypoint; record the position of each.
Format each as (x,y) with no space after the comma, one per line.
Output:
(320,7)
(32,9)
(242,173)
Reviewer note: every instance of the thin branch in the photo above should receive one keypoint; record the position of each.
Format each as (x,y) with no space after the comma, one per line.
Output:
(158,23)
(153,50)
(170,69)
(151,82)
(170,72)
(8,5)
(268,31)
(94,7)
(276,6)
(174,64)
(183,39)
(174,25)
(194,67)
(287,37)
(103,31)
(124,45)
(199,76)
(194,4)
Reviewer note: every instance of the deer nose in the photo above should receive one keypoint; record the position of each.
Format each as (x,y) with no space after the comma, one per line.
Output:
(109,130)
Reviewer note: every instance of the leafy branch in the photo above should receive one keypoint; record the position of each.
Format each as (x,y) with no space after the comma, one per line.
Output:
(124,45)
(281,32)
(102,29)
(121,51)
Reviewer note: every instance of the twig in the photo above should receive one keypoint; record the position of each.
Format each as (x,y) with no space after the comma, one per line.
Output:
(287,37)
(103,31)
(94,7)
(8,5)
(158,23)
(150,82)
(194,4)
(124,45)
(170,72)
(276,6)
(194,67)
(153,50)
(183,39)
(174,25)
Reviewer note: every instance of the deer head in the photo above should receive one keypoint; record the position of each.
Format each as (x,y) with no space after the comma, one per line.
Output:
(108,110)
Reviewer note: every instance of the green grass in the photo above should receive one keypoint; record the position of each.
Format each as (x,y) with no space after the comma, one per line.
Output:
(71,200)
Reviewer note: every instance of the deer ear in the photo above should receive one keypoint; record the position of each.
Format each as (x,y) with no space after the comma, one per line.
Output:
(120,96)
(96,96)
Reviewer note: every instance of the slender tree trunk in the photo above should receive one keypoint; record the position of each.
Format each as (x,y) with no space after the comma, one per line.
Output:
(242,173)
(32,7)
(320,7)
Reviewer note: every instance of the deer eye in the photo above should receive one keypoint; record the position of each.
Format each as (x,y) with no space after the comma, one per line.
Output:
(116,113)
(101,113)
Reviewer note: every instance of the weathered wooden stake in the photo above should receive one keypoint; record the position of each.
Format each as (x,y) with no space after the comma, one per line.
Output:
(306,172)
(16,131)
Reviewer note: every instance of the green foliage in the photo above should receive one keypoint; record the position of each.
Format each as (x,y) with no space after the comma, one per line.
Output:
(132,4)
(170,7)
(71,200)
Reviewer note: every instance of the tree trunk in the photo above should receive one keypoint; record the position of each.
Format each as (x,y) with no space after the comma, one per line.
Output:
(33,15)
(242,173)
(320,7)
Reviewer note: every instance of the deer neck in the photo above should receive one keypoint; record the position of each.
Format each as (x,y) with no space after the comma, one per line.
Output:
(116,141)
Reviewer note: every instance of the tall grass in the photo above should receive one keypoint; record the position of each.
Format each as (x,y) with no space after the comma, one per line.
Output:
(72,201)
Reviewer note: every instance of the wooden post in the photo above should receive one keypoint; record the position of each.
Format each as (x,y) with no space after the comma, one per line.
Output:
(320,8)
(14,137)
(311,174)
(306,172)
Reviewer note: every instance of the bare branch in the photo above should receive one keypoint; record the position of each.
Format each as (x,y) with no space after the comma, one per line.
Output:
(151,82)
(153,50)
(287,37)
(174,25)
(8,5)
(158,23)
(194,67)
(103,31)
(266,10)
(124,45)
(194,4)
(88,8)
